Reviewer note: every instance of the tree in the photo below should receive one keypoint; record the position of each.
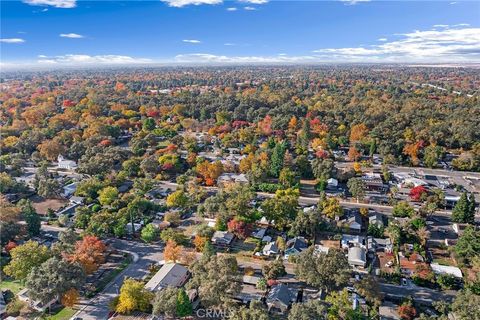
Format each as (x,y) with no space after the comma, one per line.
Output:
(216,278)
(310,310)
(278,156)
(341,306)
(322,168)
(31,217)
(184,306)
(239,228)
(368,288)
(287,178)
(331,208)
(53,279)
(149,233)
(173,235)
(358,132)
(172,251)
(148,124)
(50,149)
(403,209)
(432,154)
(418,193)
(70,297)
(177,199)
(356,186)
(274,270)
(468,245)
(133,296)
(24,258)
(107,195)
(465,305)
(325,271)
(90,253)
(210,171)
(463,211)
(407,311)
(283,207)
(9,218)
(165,302)
(255,311)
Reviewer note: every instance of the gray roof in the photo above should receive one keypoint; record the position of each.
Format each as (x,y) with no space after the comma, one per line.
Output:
(280,293)
(298,243)
(272,246)
(170,275)
(357,255)
(222,237)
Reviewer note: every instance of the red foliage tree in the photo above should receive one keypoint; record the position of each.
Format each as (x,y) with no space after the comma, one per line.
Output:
(406,311)
(239,228)
(9,246)
(417,193)
(89,252)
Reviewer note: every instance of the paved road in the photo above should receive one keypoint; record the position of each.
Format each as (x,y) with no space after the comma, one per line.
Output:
(419,294)
(97,308)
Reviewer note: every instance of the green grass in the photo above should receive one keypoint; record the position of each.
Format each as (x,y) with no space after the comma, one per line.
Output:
(13,285)
(64,314)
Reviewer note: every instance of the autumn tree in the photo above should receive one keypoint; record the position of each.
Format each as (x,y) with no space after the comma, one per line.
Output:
(70,297)
(133,296)
(90,253)
(418,193)
(239,228)
(407,311)
(51,149)
(172,252)
(210,171)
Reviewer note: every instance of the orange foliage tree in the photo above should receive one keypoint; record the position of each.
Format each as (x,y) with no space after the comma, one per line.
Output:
(172,252)
(358,132)
(199,242)
(210,171)
(353,153)
(89,252)
(70,298)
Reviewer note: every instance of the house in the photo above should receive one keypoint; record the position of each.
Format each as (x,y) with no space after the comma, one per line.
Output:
(124,187)
(66,164)
(377,220)
(70,189)
(249,293)
(373,181)
(259,233)
(222,238)
(270,248)
(280,298)
(253,280)
(450,270)
(379,244)
(76,200)
(408,266)
(136,227)
(350,240)
(332,183)
(232,177)
(295,246)
(35,304)
(357,257)
(355,222)
(170,275)
(321,249)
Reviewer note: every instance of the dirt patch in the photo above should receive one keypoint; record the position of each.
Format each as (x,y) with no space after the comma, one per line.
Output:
(42,205)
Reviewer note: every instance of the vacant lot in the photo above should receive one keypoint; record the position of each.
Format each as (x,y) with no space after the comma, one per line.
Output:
(42,205)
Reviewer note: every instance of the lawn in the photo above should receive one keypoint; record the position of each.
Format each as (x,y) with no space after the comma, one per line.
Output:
(13,285)
(64,314)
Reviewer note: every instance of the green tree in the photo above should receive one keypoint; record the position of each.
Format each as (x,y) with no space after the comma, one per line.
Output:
(255,311)
(31,217)
(184,306)
(468,245)
(325,271)
(274,270)
(356,186)
(403,209)
(149,233)
(462,211)
(177,199)
(432,155)
(174,235)
(24,258)
(465,305)
(165,302)
(278,155)
(287,178)
(148,124)
(341,306)
(322,168)
(283,207)
(53,279)
(310,310)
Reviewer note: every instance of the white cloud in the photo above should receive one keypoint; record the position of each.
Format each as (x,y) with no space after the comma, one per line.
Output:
(192,41)
(449,44)
(255,1)
(353,2)
(440,25)
(207,58)
(229,44)
(232,9)
(382,39)
(250,8)
(183,3)
(83,59)
(12,40)
(54,3)
(71,35)
(454,2)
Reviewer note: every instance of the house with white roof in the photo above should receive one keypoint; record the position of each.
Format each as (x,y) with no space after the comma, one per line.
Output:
(170,275)
(450,270)
(65,163)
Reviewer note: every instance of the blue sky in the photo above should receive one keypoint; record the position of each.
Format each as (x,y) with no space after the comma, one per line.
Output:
(69,32)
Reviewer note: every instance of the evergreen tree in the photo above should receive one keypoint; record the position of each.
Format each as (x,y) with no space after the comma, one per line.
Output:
(461,210)
(471,209)
(184,306)
(31,217)
(278,156)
